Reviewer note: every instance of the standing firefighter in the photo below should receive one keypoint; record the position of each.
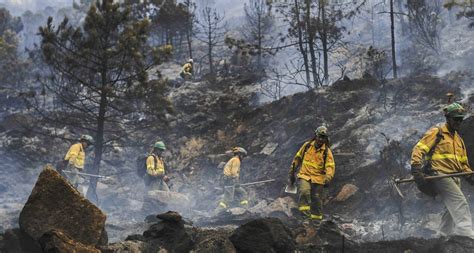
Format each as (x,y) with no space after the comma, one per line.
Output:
(187,71)
(76,157)
(231,178)
(155,169)
(317,169)
(442,151)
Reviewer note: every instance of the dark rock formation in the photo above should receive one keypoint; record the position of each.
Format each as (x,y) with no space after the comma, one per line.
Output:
(213,241)
(56,241)
(169,233)
(263,235)
(55,204)
(15,241)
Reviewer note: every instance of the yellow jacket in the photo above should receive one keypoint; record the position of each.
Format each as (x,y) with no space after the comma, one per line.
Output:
(232,167)
(312,163)
(153,169)
(188,68)
(76,156)
(449,155)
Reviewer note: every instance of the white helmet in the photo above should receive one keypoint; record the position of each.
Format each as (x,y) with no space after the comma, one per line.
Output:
(239,150)
(87,138)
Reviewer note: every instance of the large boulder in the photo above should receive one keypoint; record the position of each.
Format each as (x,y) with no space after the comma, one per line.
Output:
(169,233)
(58,242)
(263,235)
(55,204)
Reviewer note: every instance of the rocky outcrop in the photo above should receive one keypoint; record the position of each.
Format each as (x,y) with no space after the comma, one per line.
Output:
(55,204)
(263,235)
(169,233)
(56,241)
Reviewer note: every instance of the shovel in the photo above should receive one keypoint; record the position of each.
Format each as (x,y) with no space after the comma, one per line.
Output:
(291,188)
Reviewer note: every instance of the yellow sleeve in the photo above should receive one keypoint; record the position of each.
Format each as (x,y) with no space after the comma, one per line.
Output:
(72,153)
(298,158)
(330,165)
(423,147)
(150,163)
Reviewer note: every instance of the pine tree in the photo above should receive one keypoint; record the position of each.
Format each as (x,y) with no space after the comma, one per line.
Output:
(99,75)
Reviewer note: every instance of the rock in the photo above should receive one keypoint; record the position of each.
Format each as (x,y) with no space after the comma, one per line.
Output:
(346,192)
(160,201)
(269,148)
(15,241)
(169,233)
(281,205)
(57,241)
(55,204)
(170,198)
(213,241)
(125,247)
(135,237)
(263,235)
(170,216)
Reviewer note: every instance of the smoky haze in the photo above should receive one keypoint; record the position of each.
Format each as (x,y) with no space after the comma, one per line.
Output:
(386,112)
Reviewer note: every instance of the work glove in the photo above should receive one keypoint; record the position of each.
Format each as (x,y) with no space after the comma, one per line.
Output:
(421,183)
(418,175)
(326,182)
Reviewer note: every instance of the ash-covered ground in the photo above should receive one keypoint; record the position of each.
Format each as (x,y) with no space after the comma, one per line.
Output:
(373,128)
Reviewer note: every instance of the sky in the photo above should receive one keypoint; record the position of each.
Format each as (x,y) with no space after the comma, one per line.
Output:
(232,8)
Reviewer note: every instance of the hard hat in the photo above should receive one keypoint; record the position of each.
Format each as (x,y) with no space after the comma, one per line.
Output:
(321,131)
(239,150)
(190,60)
(87,138)
(160,145)
(454,110)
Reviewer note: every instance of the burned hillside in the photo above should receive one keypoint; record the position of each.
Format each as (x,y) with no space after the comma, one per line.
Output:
(373,128)
(236,126)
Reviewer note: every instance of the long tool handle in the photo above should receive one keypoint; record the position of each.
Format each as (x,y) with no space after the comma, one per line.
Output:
(252,183)
(84,174)
(460,174)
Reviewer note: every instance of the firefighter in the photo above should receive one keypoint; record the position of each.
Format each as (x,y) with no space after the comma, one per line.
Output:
(76,157)
(442,151)
(187,71)
(317,169)
(155,169)
(231,178)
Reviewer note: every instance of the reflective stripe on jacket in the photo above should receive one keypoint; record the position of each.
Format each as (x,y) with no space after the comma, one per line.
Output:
(449,155)
(232,167)
(312,163)
(153,169)
(76,155)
